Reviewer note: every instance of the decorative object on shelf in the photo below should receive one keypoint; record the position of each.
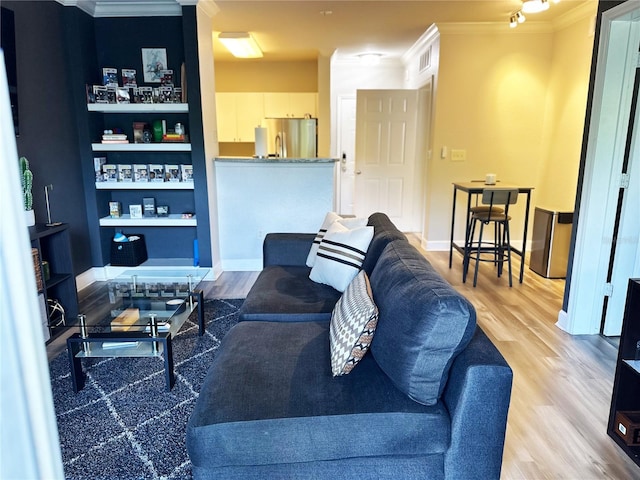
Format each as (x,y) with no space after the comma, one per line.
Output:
(110,77)
(172,173)
(98,163)
(110,172)
(129,77)
(138,130)
(47,189)
(156,172)
(628,427)
(35,256)
(187,173)
(26,180)
(162,210)
(154,61)
(140,173)
(56,313)
(125,173)
(135,211)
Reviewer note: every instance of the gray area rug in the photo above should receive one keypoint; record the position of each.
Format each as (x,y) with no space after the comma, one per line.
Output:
(123,424)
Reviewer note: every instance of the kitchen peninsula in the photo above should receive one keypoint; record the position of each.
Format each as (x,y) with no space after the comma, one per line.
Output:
(257,196)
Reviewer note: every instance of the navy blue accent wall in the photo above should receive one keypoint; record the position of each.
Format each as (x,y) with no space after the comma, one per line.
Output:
(48,137)
(59,50)
(190,29)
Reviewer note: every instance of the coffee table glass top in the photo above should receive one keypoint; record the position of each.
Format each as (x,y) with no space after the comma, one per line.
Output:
(135,299)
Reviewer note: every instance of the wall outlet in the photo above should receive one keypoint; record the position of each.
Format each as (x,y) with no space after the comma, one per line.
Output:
(458,155)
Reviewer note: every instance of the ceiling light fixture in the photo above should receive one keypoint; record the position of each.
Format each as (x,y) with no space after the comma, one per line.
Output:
(240,44)
(513,21)
(370,59)
(535,6)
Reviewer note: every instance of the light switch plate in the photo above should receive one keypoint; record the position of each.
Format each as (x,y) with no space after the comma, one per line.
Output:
(458,155)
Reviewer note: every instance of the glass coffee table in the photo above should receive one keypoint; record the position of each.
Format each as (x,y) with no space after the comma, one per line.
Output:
(146,309)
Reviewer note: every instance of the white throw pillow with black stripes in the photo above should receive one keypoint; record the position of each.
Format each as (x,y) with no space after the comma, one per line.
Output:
(353,323)
(329,219)
(340,255)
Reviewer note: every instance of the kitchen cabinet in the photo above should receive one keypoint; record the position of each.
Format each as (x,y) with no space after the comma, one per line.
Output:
(290,104)
(238,114)
(624,415)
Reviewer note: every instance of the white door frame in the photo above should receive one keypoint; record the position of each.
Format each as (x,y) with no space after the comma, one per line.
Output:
(613,88)
(346,169)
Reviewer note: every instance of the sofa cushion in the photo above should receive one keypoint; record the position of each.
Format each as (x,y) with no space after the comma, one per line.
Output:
(423,322)
(285,293)
(289,408)
(384,231)
(340,255)
(349,222)
(353,323)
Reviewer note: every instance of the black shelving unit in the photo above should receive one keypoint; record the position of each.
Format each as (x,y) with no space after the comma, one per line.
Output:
(53,245)
(626,386)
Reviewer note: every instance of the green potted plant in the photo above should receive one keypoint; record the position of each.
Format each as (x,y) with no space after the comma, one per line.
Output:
(26,179)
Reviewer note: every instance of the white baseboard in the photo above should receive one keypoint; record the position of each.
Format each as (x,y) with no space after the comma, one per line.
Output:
(109,272)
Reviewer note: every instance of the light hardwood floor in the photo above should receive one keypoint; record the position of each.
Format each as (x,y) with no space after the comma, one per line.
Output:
(562,383)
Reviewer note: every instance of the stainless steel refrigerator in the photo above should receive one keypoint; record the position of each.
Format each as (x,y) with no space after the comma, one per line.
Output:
(292,137)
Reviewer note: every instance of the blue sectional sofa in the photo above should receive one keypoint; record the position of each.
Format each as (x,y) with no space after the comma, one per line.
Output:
(429,401)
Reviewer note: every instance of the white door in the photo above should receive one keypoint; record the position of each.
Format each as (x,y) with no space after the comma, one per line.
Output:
(626,253)
(386,157)
(347,151)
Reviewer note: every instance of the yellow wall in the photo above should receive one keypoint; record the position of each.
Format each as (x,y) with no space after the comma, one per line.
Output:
(515,102)
(264,76)
(566,104)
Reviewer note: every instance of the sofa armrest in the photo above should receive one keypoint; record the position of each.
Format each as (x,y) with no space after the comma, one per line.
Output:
(286,249)
(477,395)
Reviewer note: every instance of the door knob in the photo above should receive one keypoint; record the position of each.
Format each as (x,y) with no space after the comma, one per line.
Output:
(358,172)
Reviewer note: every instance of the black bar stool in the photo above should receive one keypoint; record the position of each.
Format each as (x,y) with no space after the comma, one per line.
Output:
(495,210)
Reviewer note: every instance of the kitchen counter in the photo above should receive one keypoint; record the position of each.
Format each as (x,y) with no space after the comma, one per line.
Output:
(257,196)
(275,160)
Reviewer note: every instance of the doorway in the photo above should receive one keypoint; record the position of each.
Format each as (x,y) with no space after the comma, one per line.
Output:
(610,164)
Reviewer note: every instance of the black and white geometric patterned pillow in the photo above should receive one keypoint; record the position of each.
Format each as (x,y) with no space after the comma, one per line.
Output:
(340,255)
(353,323)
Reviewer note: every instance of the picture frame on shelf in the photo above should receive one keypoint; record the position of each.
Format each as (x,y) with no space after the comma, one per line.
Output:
(154,61)
(135,211)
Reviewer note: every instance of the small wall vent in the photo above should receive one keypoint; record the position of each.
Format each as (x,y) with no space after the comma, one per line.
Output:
(425,61)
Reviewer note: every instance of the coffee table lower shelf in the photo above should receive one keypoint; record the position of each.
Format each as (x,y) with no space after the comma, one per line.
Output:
(91,347)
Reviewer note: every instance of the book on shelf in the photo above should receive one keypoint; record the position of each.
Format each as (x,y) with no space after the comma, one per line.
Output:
(114,141)
(173,137)
(149,206)
(114,136)
(114,210)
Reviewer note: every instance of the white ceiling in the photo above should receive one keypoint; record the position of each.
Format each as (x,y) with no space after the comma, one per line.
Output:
(301,30)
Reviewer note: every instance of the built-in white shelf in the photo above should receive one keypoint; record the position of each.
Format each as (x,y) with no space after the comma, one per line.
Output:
(138,107)
(144,185)
(173,220)
(141,147)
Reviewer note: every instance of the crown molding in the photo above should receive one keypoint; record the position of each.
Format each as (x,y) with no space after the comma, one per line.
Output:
(130,8)
(427,38)
(584,10)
